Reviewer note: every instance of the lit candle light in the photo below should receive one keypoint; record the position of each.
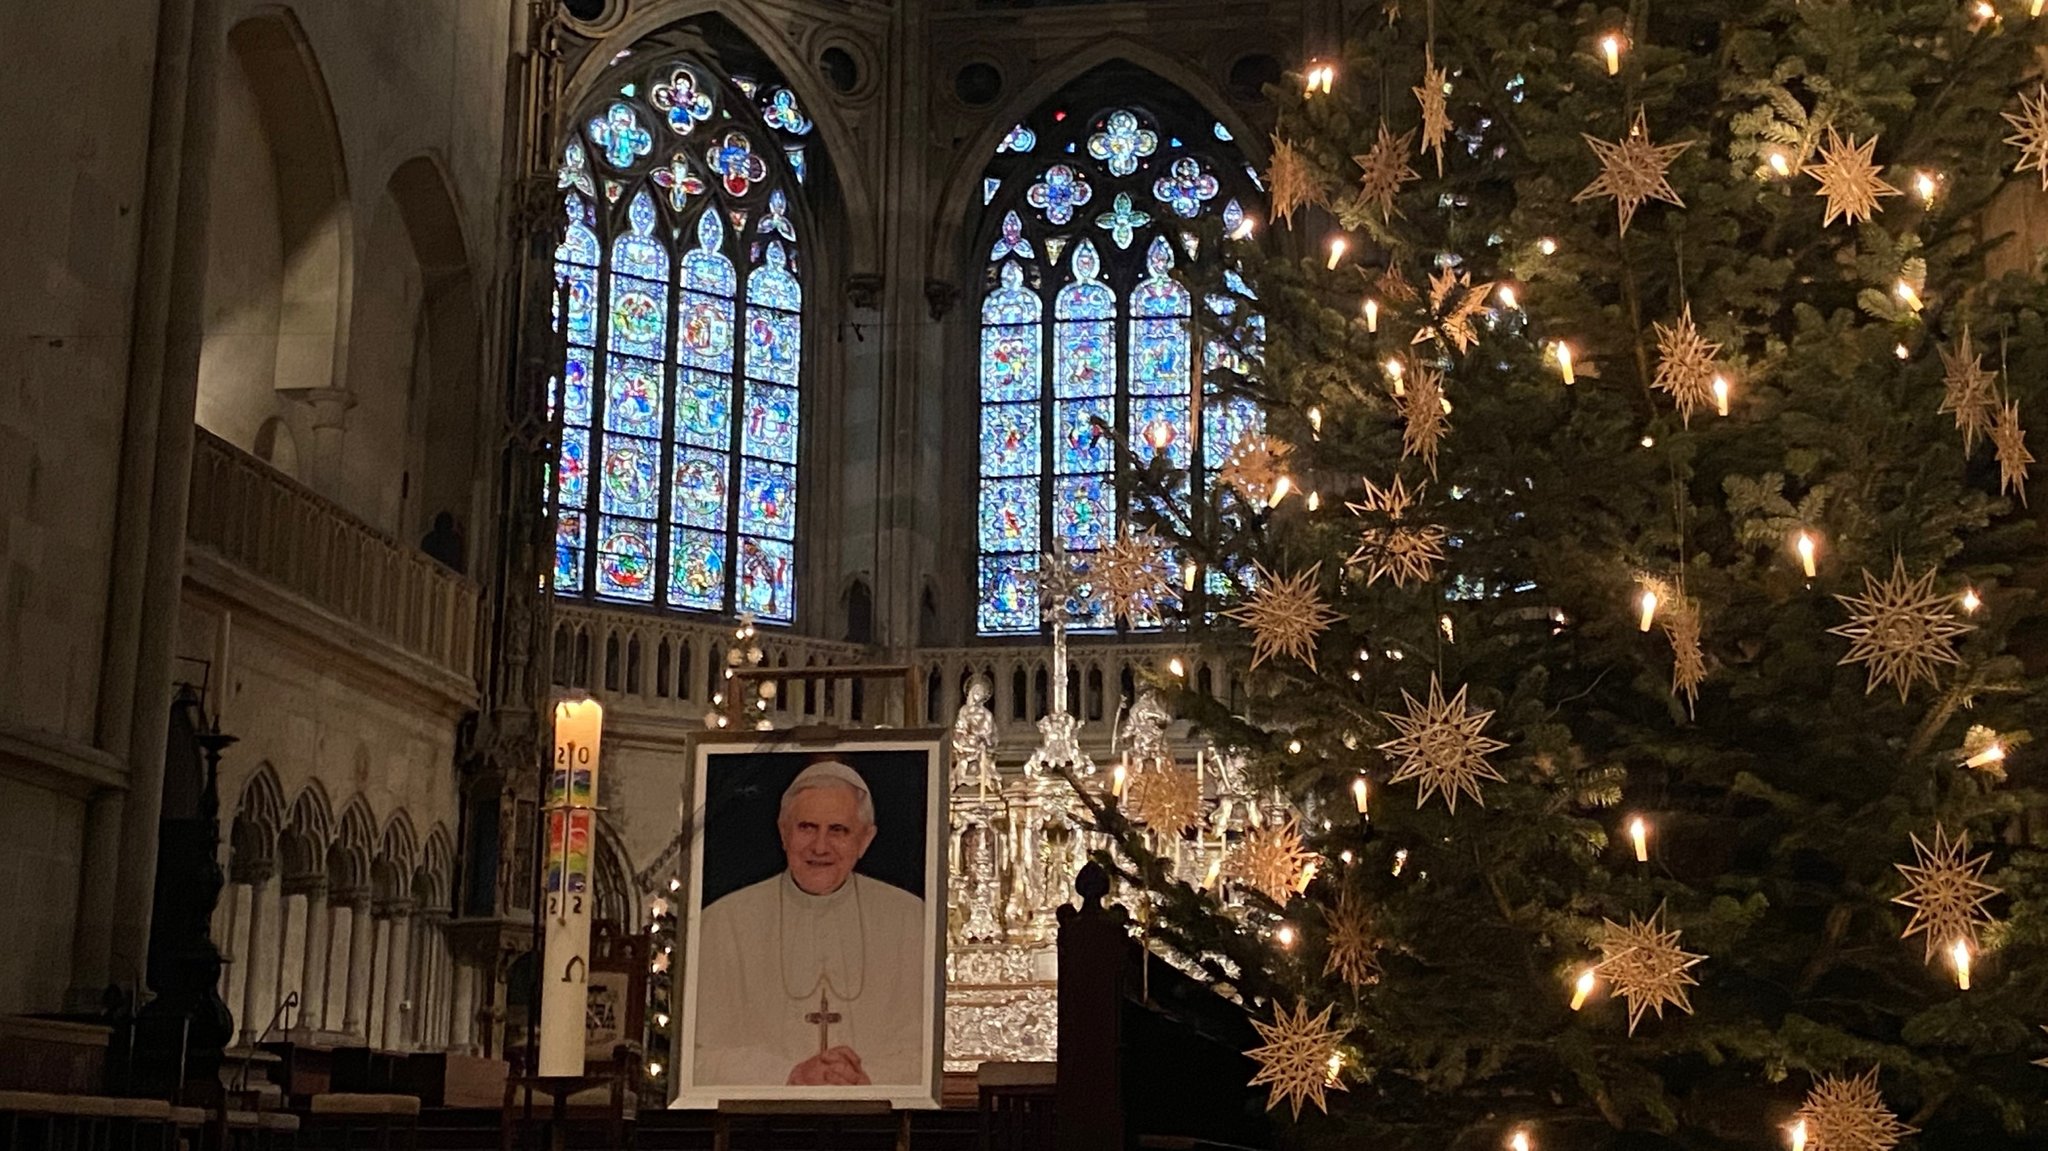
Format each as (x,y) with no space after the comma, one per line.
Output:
(1563,352)
(1610,47)
(1336,1065)
(1308,876)
(1215,872)
(1639,834)
(1175,666)
(1372,315)
(1778,163)
(1926,185)
(1400,860)
(2034,9)
(1583,989)
(1116,780)
(1798,1136)
(1285,936)
(1990,755)
(1970,601)
(1721,395)
(1520,1142)
(1901,351)
(1315,500)
(1315,418)
(1188,571)
(1649,605)
(1281,487)
(1547,246)
(1243,231)
(1807,549)
(1359,794)
(1337,247)
(1507,297)
(1344,855)
(1396,371)
(1907,295)
(1960,953)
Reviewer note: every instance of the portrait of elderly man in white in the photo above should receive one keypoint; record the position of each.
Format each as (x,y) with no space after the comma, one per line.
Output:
(815,976)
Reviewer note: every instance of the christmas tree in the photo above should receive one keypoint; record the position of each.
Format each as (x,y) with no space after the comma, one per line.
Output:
(1639,530)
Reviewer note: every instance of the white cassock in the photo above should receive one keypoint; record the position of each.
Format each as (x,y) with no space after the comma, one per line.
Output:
(771,949)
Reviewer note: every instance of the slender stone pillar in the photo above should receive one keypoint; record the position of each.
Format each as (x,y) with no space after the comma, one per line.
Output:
(462,1012)
(291,953)
(356,1015)
(234,946)
(342,914)
(379,970)
(397,992)
(260,959)
(313,1001)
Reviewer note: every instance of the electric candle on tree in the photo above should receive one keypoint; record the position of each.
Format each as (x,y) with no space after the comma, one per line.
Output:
(1639,834)
(1583,989)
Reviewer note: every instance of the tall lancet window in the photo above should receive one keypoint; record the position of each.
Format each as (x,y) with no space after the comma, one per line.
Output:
(681,304)
(1087,334)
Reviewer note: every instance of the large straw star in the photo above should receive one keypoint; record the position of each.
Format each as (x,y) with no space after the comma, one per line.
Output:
(1632,170)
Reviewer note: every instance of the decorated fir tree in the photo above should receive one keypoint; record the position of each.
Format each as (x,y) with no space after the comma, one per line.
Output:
(1643,471)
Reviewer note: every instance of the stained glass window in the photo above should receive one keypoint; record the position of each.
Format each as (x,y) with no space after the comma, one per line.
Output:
(1087,337)
(679,295)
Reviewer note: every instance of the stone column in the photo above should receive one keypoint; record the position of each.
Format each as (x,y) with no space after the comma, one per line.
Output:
(327,412)
(397,992)
(379,971)
(313,1005)
(291,951)
(259,958)
(342,915)
(355,1016)
(233,923)
(462,1011)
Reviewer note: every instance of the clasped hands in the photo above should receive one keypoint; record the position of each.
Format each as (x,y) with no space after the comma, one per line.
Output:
(838,1067)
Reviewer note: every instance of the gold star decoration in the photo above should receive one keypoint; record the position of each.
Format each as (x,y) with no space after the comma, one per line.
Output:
(1632,170)
(1646,966)
(1271,860)
(1849,178)
(1129,576)
(1946,890)
(1454,316)
(1685,365)
(2013,457)
(1436,116)
(1440,743)
(1165,797)
(1386,169)
(1966,391)
(1285,615)
(1901,628)
(1290,181)
(1393,286)
(1427,414)
(2030,133)
(1849,1115)
(1395,548)
(1254,466)
(1298,1058)
(1353,949)
(1688,661)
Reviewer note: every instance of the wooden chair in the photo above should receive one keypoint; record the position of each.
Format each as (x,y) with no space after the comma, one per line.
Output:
(338,1117)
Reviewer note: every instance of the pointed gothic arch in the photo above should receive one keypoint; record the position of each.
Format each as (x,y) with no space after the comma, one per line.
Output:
(355,846)
(308,832)
(259,818)
(391,873)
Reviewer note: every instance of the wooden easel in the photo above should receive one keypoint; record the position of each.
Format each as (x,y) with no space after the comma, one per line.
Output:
(766,1110)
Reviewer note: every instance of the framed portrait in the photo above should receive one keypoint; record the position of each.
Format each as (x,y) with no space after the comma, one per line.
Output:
(814,924)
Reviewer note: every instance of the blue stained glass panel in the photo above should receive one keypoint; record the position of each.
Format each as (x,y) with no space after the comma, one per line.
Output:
(1012,302)
(696,569)
(573,471)
(698,497)
(773,284)
(768,499)
(767,574)
(569,551)
(1009,515)
(1084,511)
(1009,595)
(770,427)
(1159,424)
(632,468)
(797,166)
(625,559)
(704,332)
(639,316)
(773,344)
(576,389)
(1009,439)
(1010,363)
(1084,358)
(705,268)
(1225,422)
(1080,446)
(632,396)
(990,185)
(1159,356)
(1089,615)
(703,409)
(581,287)
(579,240)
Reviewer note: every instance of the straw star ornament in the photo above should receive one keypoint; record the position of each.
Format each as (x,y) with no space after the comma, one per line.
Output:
(1946,891)
(1900,628)
(1441,745)
(1129,576)
(1298,1057)
(1285,615)
(2030,134)
(1688,660)
(1848,1114)
(1633,170)
(1353,950)
(1165,797)
(1456,303)
(1966,391)
(1271,860)
(2013,457)
(1427,416)
(1254,466)
(1436,116)
(1685,365)
(1391,547)
(1646,967)
(1849,178)
(1290,181)
(1386,169)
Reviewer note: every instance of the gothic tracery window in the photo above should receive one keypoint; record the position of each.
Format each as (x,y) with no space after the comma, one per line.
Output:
(679,280)
(1084,327)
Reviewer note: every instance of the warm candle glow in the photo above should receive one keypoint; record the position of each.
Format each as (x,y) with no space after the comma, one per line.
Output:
(1907,295)
(1610,47)
(1285,936)
(1215,871)
(2034,9)
(1639,834)
(1721,395)
(1547,246)
(1970,601)
(1308,876)
(1960,953)
(1778,163)
(1372,315)
(1799,1136)
(1281,487)
(1318,78)
(1315,419)
(1337,247)
(1520,1142)
(1400,860)
(1990,755)
(1359,794)
(1396,370)
(1507,297)
(1336,1065)
(1563,352)
(1188,571)
(1926,185)
(1807,548)
(1315,500)
(1117,778)
(1243,231)
(1649,606)
(1179,669)
(1583,989)
(1902,352)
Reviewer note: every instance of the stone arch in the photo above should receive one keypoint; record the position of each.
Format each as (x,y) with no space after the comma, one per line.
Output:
(432,882)
(819,101)
(391,873)
(259,818)
(960,201)
(414,374)
(277,299)
(349,859)
(308,833)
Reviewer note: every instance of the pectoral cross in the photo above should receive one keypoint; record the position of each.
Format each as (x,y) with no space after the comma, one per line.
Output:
(824,1017)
